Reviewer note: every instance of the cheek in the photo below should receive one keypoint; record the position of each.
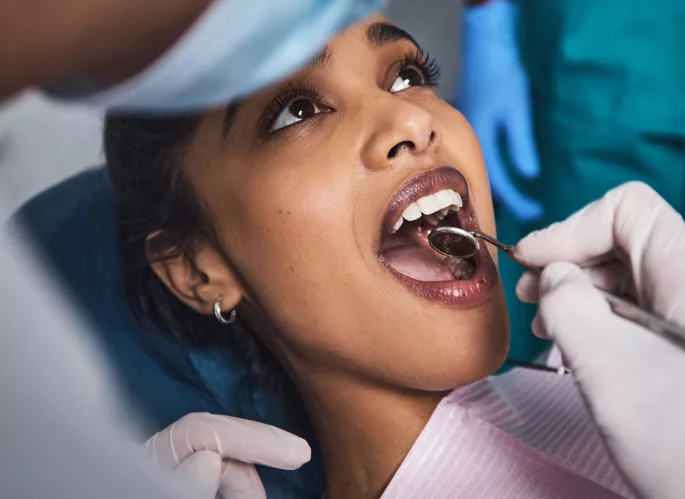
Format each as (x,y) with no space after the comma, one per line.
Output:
(288,231)
(288,228)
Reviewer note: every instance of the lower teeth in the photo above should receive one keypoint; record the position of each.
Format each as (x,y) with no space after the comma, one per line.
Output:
(461,269)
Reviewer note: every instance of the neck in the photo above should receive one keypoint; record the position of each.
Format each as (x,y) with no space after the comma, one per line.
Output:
(365,430)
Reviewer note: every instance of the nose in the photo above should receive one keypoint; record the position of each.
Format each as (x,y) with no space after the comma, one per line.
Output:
(401,130)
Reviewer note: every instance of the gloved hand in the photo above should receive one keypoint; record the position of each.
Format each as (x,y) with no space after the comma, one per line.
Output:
(494,97)
(631,378)
(218,452)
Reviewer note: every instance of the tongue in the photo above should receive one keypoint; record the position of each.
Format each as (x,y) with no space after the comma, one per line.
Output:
(418,263)
(460,269)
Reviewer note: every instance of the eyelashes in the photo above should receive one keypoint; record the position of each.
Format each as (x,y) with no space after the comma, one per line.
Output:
(425,63)
(287,95)
(416,59)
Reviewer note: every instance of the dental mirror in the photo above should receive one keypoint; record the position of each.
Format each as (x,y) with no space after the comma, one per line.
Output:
(459,243)
(453,241)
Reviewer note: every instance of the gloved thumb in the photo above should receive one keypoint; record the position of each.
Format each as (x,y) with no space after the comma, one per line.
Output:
(240,481)
(562,276)
(203,469)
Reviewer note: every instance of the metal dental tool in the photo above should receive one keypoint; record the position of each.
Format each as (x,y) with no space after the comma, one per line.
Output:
(460,243)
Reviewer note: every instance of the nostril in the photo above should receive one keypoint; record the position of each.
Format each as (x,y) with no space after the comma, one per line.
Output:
(398,147)
(432,137)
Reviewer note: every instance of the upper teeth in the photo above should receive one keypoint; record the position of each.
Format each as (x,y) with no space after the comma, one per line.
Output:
(438,203)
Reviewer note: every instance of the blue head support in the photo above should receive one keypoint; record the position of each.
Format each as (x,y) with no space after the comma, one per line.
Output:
(74,227)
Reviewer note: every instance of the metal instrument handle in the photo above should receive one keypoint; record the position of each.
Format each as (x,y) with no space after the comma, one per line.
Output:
(634,313)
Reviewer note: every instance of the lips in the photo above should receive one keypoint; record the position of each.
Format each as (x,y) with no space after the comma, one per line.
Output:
(424,184)
(408,255)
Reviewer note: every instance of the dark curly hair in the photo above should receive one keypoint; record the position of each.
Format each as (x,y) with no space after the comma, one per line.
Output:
(160,214)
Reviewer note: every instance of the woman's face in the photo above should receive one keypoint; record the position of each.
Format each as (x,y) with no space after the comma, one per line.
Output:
(306,182)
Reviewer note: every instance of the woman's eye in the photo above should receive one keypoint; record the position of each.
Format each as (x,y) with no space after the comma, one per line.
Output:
(408,77)
(298,110)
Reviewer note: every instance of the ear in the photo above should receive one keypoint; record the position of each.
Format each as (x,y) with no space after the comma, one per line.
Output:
(198,277)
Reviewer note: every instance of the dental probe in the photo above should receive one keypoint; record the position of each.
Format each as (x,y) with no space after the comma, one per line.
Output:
(561,370)
(460,243)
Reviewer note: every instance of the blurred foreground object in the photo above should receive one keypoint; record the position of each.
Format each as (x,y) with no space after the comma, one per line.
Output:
(61,434)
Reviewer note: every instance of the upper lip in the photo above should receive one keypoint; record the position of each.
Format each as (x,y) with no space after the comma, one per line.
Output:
(420,185)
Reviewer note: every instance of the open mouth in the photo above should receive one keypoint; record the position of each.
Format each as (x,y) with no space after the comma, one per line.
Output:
(435,198)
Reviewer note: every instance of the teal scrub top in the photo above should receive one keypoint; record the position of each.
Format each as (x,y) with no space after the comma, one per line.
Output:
(73,224)
(609,97)
(608,86)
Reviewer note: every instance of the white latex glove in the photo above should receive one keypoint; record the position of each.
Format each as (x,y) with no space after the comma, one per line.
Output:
(631,379)
(218,452)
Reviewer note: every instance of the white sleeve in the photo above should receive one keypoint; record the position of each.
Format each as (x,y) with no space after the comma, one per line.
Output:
(60,436)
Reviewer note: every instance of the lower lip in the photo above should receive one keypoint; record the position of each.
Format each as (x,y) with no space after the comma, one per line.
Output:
(458,293)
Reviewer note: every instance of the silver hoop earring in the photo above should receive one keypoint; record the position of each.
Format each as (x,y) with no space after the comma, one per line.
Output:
(220,316)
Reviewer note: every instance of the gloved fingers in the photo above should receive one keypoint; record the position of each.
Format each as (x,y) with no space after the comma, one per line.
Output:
(538,327)
(240,481)
(633,222)
(613,276)
(528,287)
(625,374)
(555,357)
(231,438)
(518,129)
(623,222)
(574,313)
(523,207)
(203,468)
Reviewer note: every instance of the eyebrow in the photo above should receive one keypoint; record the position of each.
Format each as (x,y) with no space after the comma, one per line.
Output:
(231,113)
(378,35)
(321,59)
(381,34)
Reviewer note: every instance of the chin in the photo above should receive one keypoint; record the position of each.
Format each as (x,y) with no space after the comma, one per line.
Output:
(469,354)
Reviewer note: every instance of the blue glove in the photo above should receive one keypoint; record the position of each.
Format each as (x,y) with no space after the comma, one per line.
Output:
(493,95)
(234,49)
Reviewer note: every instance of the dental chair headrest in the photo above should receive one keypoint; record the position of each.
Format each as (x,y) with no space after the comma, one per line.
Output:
(74,227)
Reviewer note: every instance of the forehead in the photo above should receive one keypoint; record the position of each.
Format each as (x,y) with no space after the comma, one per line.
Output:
(374,33)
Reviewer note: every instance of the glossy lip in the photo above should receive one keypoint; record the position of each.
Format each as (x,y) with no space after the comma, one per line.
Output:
(457,293)
(421,185)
